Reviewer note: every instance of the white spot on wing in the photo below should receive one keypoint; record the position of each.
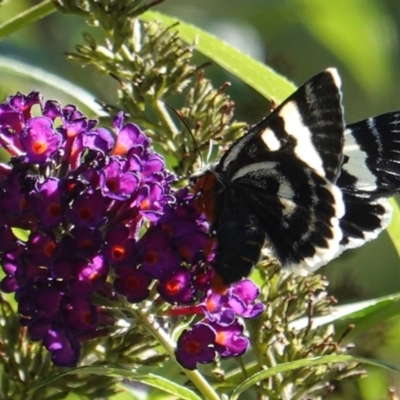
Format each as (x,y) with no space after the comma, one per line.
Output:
(269,138)
(372,126)
(356,166)
(257,167)
(335,76)
(304,149)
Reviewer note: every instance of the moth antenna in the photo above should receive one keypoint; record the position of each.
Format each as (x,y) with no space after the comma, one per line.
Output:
(188,129)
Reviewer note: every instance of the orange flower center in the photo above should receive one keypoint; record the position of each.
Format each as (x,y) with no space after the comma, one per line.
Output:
(192,347)
(39,147)
(85,213)
(118,252)
(172,287)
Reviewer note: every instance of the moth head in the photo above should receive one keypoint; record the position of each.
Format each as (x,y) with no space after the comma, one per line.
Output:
(203,186)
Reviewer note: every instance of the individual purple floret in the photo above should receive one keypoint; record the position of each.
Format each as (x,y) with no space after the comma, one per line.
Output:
(196,346)
(177,288)
(230,341)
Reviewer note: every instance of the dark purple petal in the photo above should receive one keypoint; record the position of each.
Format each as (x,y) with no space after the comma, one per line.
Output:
(196,346)
(80,315)
(177,288)
(150,201)
(94,271)
(88,210)
(8,240)
(81,243)
(52,109)
(24,103)
(155,164)
(10,118)
(38,329)
(46,205)
(100,139)
(117,184)
(12,259)
(119,247)
(74,127)
(41,248)
(13,200)
(61,268)
(132,283)
(64,346)
(159,264)
(47,302)
(9,284)
(192,246)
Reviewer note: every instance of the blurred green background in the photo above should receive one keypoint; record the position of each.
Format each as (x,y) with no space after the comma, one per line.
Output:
(298,38)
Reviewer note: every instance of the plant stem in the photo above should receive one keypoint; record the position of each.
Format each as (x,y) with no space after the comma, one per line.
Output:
(165,119)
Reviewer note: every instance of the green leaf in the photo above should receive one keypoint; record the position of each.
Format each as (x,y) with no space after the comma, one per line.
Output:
(27,17)
(310,362)
(394,228)
(261,78)
(169,370)
(364,315)
(152,380)
(353,31)
(125,393)
(374,313)
(29,72)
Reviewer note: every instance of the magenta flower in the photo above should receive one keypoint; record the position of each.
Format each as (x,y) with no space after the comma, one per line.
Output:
(117,183)
(45,202)
(63,345)
(39,140)
(177,288)
(133,283)
(230,341)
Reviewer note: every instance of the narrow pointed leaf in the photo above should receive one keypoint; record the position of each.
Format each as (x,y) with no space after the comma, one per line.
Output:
(364,315)
(117,371)
(29,72)
(311,362)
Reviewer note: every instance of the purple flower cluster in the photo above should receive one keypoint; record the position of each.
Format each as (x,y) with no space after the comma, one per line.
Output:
(82,194)
(84,212)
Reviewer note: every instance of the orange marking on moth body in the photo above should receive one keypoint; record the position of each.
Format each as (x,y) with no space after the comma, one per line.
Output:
(204,189)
